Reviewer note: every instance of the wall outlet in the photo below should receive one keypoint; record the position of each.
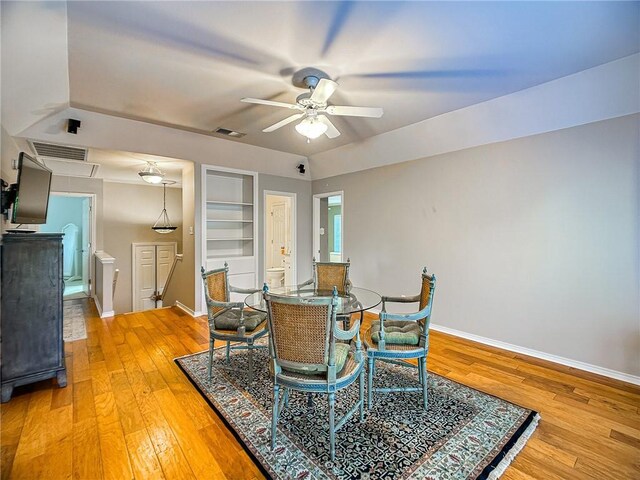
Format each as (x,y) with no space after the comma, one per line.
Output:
(191,230)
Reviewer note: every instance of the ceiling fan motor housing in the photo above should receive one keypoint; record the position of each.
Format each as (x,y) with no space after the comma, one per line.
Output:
(308,77)
(304,99)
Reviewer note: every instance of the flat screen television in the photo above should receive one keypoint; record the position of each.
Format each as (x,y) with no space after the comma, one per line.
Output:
(32,195)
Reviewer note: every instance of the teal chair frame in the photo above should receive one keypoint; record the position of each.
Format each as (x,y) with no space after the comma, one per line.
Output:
(399,354)
(316,321)
(216,308)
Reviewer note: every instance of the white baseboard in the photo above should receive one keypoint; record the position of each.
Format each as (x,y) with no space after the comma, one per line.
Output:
(625,377)
(187,310)
(98,306)
(102,314)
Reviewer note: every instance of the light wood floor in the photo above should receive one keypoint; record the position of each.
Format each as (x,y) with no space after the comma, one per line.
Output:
(128,411)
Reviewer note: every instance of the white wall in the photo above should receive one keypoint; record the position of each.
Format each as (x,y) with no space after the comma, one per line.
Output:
(534,241)
(303,221)
(186,284)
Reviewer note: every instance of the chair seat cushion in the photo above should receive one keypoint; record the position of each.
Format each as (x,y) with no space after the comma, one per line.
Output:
(396,332)
(342,352)
(230,320)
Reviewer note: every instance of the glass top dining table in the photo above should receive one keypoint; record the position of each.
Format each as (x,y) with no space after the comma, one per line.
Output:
(357,300)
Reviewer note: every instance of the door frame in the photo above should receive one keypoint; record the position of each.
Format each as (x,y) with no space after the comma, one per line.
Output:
(133,267)
(92,233)
(316,222)
(294,231)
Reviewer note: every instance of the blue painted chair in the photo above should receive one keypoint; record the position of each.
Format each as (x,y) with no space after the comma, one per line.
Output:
(230,321)
(327,275)
(306,357)
(396,338)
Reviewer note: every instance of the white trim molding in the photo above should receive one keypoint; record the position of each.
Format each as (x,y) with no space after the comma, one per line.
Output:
(102,314)
(188,310)
(587,367)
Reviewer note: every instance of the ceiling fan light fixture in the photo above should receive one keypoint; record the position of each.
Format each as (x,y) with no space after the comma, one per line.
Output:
(311,128)
(151,173)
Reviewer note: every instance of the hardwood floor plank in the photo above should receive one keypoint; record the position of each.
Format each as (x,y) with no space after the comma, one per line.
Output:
(622,437)
(144,461)
(202,461)
(87,460)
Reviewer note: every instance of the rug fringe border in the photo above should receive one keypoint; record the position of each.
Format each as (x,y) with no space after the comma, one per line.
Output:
(515,449)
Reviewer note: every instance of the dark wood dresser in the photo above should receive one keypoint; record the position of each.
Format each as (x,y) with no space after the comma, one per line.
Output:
(32,347)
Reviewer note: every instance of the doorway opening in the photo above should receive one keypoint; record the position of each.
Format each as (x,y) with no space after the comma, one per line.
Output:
(280,238)
(72,215)
(328,222)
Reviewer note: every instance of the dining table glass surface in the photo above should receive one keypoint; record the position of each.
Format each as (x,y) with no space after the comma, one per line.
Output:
(356,300)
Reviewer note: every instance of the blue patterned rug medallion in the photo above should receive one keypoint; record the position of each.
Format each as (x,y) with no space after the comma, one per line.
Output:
(465,434)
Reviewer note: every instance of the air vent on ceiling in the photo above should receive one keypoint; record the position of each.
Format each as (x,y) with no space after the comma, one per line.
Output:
(51,150)
(70,168)
(229,133)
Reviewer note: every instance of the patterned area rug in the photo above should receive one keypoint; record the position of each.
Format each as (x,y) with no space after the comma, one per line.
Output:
(465,434)
(73,327)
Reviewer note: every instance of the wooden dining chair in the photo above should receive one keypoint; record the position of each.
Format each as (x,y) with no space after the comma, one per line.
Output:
(396,338)
(327,275)
(306,357)
(230,321)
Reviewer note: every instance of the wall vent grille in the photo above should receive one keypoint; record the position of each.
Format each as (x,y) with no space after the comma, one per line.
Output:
(51,150)
(229,133)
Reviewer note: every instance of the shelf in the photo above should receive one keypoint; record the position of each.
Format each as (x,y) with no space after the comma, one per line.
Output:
(228,239)
(215,202)
(230,221)
(230,218)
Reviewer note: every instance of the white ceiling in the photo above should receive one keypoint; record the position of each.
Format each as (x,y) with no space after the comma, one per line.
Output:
(124,166)
(188,64)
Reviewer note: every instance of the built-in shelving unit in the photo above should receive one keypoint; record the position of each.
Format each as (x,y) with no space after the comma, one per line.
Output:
(230,223)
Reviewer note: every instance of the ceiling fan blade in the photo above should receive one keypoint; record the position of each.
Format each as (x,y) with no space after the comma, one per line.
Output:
(332,131)
(271,103)
(284,122)
(371,112)
(323,90)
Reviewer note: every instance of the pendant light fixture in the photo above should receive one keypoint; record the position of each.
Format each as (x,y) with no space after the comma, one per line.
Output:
(163,224)
(151,173)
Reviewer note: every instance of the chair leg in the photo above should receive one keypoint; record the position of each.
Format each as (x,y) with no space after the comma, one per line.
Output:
(274,415)
(210,357)
(250,349)
(370,383)
(361,388)
(228,350)
(332,432)
(423,374)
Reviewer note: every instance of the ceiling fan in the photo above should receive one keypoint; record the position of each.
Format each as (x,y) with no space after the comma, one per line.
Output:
(313,106)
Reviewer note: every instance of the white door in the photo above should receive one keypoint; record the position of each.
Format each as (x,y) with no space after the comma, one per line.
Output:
(279,235)
(151,266)
(86,244)
(145,277)
(164,259)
